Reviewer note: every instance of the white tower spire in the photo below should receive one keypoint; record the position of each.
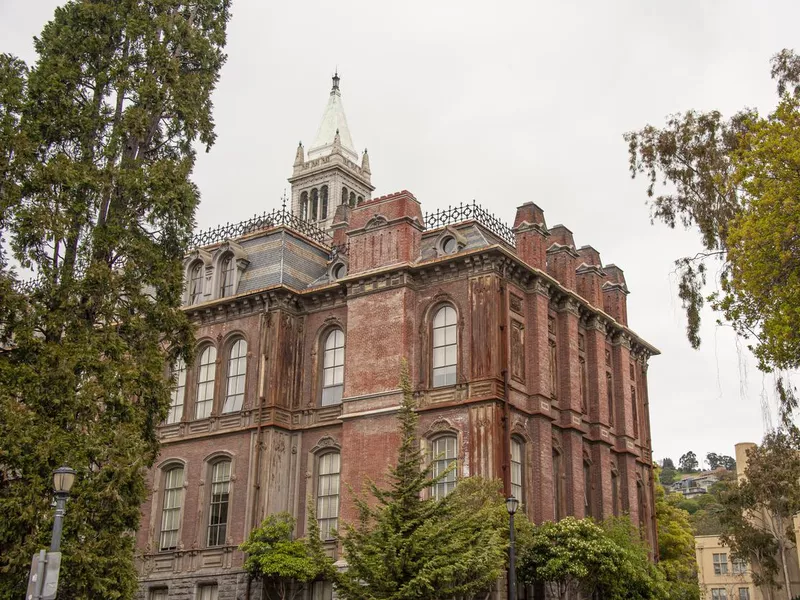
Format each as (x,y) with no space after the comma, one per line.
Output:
(333,120)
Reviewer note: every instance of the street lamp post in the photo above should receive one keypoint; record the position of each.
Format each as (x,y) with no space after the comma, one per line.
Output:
(511,506)
(63,478)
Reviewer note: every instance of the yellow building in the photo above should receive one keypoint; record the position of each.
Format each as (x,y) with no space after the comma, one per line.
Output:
(721,577)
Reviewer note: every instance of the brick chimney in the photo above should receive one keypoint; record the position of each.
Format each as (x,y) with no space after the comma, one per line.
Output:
(590,276)
(562,259)
(531,235)
(385,231)
(615,292)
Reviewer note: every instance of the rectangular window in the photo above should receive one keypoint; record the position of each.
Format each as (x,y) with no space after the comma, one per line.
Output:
(587,489)
(720,564)
(634,412)
(207,592)
(558,499)
(719,594)
(615,493)
(179,393)
(159,594)
(328,494)
(171,508)
(584,383)
(218,510)
(444,454)
(516,470)
(322,590)
(739,566)
(610,394)
(744,593)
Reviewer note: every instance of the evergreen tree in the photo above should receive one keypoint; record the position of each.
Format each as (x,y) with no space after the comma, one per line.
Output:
(96,152)
(688,462)
(668,471)
(409,545)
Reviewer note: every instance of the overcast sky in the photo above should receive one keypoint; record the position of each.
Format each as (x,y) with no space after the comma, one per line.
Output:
(504,103)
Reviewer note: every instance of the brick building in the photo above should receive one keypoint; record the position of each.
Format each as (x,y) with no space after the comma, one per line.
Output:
(517,342)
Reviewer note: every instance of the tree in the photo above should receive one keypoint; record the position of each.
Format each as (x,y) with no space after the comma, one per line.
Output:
(688,462)
(96,152)
(409,545)
(668,472)
(286,565)
(736,181)
(707,508)
(758,512)
(574,556)
(715,461)
(676,551)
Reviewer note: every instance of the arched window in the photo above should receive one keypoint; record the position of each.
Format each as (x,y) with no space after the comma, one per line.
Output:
(641,503)
(196,284)
(610,397)
(443,450)
(558,495)
(587,488)
(328,494)
(314,204)
(218,506)
(179,393)
(614,490)
(333,368)
(352,199)
(171,508)
(304,206)
(323,199)
(205,383)
(445,347)
(344,195)
(237,370)
(517,462)
(360,200)
(227,275)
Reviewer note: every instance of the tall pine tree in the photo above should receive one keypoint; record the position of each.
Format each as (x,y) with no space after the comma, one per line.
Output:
(409,545)
(96,151)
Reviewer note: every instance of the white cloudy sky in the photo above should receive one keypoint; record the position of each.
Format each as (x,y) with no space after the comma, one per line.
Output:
(506,102)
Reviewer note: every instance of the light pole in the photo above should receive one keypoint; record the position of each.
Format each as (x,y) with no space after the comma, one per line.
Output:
(63,478)
(511,506)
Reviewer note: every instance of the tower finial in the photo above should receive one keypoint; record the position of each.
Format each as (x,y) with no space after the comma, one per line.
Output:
(335,87)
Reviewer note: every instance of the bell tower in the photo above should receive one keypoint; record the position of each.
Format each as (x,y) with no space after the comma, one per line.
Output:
(330,174)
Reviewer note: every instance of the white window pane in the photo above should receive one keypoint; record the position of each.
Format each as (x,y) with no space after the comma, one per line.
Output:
(338,357)
(327,377)
(438,337)
(450,335)
(338,374)
(450,355)
(438,357)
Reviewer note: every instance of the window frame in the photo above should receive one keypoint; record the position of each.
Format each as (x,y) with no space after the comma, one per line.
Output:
(519,443)
(588,480)
(176,410)
(559,510)
(240,376)
(326,522)
(719,594)
(440,464)
(213,591)
(227,275)
(178,490)
(721,565)
(212,383)
(451,378)
(331,389)
(220,525)
(196,280)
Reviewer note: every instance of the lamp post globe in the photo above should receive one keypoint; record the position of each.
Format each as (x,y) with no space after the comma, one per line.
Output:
(63,478)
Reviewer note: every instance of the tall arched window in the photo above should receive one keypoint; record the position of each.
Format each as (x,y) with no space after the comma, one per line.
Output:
(517,462)
(614,490)
(328,494)
(344,195)
(359,200)
(196,284)
(205,383)
(227,276)
(179,393)
(237,370)
(558,496)
(172,502)
(352,199)
(587,488)
(610,397)
(304,205)
(323,200)
(333,368)
(444,453)
(445,347)
(314,204)
(641,503)
(218,506)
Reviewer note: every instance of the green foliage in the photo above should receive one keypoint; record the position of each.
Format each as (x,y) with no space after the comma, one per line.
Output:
(577,555)
(96,149)
(758,513)
(705,511)
(668,472)
(715,461)
(676,550)
(286,564)
(408,545)
(688,462)
(736,182)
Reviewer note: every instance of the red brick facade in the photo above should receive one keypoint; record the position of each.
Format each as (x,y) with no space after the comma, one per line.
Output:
(524,306)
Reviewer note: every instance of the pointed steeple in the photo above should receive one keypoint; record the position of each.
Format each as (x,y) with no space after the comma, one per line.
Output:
(299,158)
(333,121)
(365,162)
